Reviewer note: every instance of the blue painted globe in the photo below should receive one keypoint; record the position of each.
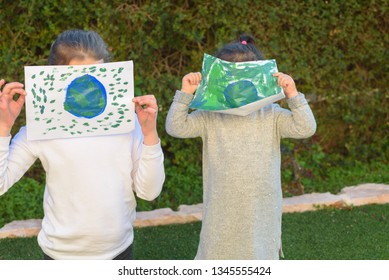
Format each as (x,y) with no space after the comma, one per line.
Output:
(85,97)
(240,93)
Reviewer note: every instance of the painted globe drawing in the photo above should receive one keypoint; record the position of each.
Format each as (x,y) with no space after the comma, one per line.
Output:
(85,97)
(240,93)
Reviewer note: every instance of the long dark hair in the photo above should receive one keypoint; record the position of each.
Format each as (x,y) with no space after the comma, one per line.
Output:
(78,44)
(240,51)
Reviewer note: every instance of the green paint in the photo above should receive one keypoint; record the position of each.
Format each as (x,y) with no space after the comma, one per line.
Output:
(47,103)
(227,85)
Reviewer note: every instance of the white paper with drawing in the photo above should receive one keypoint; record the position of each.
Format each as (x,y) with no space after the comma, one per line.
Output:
(66,101)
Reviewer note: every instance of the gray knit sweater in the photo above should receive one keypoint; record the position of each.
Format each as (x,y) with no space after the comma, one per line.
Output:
(242,196)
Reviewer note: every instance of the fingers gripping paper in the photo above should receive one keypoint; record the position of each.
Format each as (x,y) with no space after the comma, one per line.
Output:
(238,88)
(66,101)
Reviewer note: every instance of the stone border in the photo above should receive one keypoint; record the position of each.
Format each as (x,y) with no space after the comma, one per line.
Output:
(349,196)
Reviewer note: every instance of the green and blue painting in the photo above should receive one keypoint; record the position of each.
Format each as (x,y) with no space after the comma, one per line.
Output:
(227,86)
(85,97)
(80,100)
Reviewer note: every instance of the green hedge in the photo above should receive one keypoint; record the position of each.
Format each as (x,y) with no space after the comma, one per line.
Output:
(335,50)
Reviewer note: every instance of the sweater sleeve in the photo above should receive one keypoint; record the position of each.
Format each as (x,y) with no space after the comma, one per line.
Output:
(15,159)
(181,124)
(299,122)
(148,169)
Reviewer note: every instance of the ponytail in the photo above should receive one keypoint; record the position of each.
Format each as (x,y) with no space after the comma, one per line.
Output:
(242,50)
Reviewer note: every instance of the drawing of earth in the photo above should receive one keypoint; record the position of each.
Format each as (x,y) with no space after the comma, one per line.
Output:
(85,97)
(240,93)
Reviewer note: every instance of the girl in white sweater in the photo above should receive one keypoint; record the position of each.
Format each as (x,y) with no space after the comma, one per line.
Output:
(89,202)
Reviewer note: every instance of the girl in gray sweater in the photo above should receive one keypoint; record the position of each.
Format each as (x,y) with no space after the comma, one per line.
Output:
(242,196)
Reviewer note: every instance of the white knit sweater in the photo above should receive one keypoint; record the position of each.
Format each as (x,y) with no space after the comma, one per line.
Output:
(89,203)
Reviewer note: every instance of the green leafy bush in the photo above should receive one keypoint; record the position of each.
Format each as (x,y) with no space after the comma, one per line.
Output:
(335,50)
(23,201)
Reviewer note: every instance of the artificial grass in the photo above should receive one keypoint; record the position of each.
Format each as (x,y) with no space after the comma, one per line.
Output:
(355,233)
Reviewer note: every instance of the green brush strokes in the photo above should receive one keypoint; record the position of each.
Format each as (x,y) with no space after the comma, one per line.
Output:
(44,98)
(227,85)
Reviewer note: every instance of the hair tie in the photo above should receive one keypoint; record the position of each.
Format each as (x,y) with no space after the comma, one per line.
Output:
(243,43)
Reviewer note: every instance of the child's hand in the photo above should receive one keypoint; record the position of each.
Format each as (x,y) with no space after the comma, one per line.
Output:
(190,82)
(10,108)
(287,84)
(147,110)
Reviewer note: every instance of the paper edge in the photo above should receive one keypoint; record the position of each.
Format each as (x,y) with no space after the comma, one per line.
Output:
(252,107)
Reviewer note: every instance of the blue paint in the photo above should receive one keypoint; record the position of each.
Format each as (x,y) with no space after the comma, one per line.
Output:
(240,93)
(85,97)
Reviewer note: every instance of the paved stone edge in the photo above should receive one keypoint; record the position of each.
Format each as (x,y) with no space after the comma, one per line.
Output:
(349,196)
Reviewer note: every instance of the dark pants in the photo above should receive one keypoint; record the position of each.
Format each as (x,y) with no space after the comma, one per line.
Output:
(125,255)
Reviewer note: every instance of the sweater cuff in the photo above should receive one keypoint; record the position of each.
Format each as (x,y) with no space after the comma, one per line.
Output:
(4,143)
(152,151)
(182,97)
(297,101)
